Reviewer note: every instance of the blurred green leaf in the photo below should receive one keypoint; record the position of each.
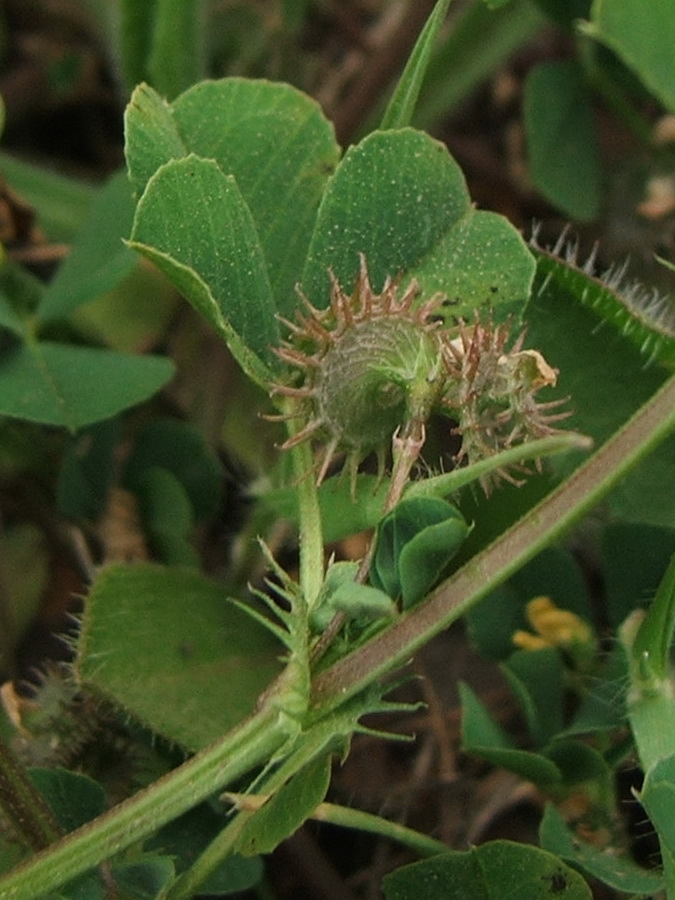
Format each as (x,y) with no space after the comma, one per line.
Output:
(176,57)
(73,798)
(402,104)
(27,573)
(187,837)
(578,763)
(136,22)
(481,41)
(166,513)
(87,470)
(168,647)
(482,736)
(643,35)
(494,871)
(635,556)
(553,573)
(536,679)
(562,151)
(565,12)
(99,259)
(72,386)
(61,203)
(618,871)
(146,879)
(179,448)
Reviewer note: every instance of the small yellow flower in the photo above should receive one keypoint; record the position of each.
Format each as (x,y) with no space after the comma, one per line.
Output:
(554,627)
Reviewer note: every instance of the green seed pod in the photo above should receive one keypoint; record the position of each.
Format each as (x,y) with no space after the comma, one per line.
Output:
(369,365)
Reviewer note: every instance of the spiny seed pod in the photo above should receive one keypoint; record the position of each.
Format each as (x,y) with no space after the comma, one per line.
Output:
(367,366)
(490,392)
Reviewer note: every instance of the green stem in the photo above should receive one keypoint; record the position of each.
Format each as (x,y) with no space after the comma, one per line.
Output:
(392,648)
(251,744)
(651,693)
(187,885)
(344,817)
(258,739)
(363,821)
(310,526)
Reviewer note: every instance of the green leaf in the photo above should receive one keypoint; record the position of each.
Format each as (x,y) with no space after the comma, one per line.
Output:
(286,810)
(151,135)
(400,199)
(414,544)
(635,556)
(61,203)
(536,678)
(341,594)
(187,837)
(166,512)
(272,138)
(494,871)
(73,798)
(563,157)
(643,35)
(87,471)
(168,647)
(565,12)
(425,557)
(482,736)
(98,259)
(618,871)
(146,879)
(650,650)
(658,798)
(402,104)
(211,253)
(482,262)
(393,197)
(553,573)
(579,763)
(605,376)
(634,311)
(182,450)
(73,386)
(480,42)
(602,707)
(135,37)
(9,319)
(28,575)
(177,52)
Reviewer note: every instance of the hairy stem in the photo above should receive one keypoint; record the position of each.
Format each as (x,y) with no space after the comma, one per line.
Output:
(260,737)
(251,744)
(311,529)
(392,648)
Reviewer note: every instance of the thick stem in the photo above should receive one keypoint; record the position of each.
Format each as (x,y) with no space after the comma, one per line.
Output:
(209,771)
(259,738)
(392,648)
